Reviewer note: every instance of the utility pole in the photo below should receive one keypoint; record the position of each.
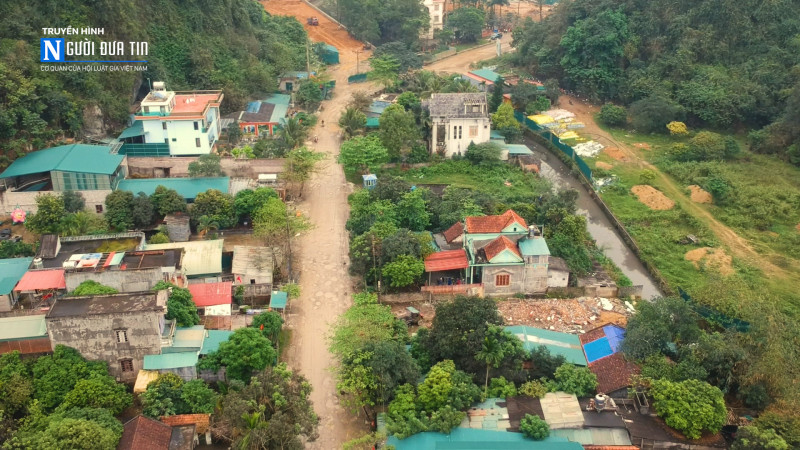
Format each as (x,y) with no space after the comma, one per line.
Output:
(288,243)
(308,61)
(358,67)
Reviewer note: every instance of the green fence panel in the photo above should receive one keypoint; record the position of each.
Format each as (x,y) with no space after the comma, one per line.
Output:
(144,149)
(357,78)
(715,316)
(584,168)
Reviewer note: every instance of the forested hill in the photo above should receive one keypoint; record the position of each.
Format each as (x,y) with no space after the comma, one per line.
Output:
(194,44)
(725,62)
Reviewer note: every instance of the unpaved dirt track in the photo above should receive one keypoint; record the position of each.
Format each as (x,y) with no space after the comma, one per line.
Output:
(460,62)
(327,31)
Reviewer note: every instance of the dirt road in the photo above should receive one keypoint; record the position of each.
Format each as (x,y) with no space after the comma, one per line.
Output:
(460,62)
(327,31)
(737,245)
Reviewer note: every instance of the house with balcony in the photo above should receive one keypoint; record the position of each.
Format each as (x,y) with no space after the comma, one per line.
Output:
(457,120)
(170,123)
(92,170)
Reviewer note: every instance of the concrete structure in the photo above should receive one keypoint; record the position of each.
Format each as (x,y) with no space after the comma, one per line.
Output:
(25,334)
(457,121)
(200,258)
(188,122)
(11,271)
(253,265)
(290,81)
(92,170)
(136,280)
(119,329)
(436,14)
(262,117)
(557,272)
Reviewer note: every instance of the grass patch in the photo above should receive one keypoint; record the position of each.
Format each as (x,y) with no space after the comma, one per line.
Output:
(283,341)
(462,47)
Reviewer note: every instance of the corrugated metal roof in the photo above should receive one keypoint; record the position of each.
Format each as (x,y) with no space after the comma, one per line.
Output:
(200,257)
(373,122)
(42,279)
(278,299)
(211,294)
(11,271)
(568,345)
(170,361)
(213,339)
(517,149)
(137,129)
(533,247)
(594,435)
(188,188)
(80,158)
(22,327)
(186,339)
(474,439)
(487,74)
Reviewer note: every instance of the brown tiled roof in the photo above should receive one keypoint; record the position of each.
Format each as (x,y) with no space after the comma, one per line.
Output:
(500,243)
(593,334)
(201,421)
(453,232)
(493,224)
(143,433)
(613,372)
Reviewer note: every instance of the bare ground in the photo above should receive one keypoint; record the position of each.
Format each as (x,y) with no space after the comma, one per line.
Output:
(652,197)
(699,195)
(713,257)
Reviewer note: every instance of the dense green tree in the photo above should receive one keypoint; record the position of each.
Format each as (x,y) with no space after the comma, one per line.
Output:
(73,201)
(544,363)
(309,94)
(180,306)
(613,115)
(9,249)
(300,164)
(274,411)
(400,51)
(652,114)
(491,353)
(98,391)
(216,205)
(270,324)
(77,434)
(54,376)
(496,98)
(206,166)
(360,325)
(467,23)
(244,353)
(385,69)
(690,406)
(274,221)
(363,154)
(657,325)
(534,427)
(575,380)
(446,386)
(119,210)
(659,367)
(412,210)
(404,271)
(408,100)
(485,153)
(49,212)
(398,131)
(142,211)
(198,397)
(167,201)
(248,201)
(504,119)
(786,425)
(353,122)
(293,132)
(163,397)
(754,438)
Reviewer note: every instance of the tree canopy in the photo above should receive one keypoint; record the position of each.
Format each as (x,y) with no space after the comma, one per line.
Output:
(244,353)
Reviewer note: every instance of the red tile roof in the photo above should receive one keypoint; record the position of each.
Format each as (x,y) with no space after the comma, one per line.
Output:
(143,433)
(447,260)
(594,334)
(201,421)
(498,245)
(42,279)
(211,294)
(493,224)
(454,232)
(613,372)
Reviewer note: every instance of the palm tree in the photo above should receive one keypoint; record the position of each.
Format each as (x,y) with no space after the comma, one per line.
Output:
(492,354)
(252,421)
(206,224)
(75,224)
(352,122)
(293,132)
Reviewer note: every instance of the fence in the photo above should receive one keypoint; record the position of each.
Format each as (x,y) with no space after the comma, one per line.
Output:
(715,316)
(553,139)
(357,78)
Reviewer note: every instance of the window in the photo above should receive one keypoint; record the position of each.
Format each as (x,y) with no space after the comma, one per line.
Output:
(174,139)
(460,131)
(166,140)
(163,125)
(98,209)
(436,7)
(163,110)
(197,142)
(122,336)
(126,365)
(455,132)
(473,131)
(196,127)
(435,19)
(502,280)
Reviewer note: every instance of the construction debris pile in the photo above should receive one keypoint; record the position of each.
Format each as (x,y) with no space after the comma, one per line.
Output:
(570,315)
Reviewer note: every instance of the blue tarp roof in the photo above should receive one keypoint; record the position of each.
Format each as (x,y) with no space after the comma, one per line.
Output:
(605,346)
(278,300)
(188,188)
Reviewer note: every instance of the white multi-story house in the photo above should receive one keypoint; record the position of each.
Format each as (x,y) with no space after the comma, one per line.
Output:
(436,14)
(458,120)
(188,122)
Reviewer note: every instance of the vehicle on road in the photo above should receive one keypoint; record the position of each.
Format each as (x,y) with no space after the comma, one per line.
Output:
(312,21)
(496,36)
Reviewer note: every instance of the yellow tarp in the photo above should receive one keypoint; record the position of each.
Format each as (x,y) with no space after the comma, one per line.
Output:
(568,135)
(541,119)
(143,379)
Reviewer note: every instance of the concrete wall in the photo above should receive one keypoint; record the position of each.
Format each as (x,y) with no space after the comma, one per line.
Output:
(557,278)
(154,167)
(187,373)
(95,338)
(181,134)
(454,145)
(6,302)
(134,280)
(27,200)
(218,310)
(516,280)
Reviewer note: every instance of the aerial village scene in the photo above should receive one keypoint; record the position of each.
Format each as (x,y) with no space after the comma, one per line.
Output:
(400,224)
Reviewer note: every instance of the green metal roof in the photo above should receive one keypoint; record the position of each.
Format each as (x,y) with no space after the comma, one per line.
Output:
(137,129)
(278,300)
(517,149)
(186,339)
(281,102)
(373,122)
(170,361)
(496,135)
(188,188)
(594,435)
(213,339)
(22,327)
(475,439)
(568,345)
(79,158)
(490,75)
(11,271)
(533,247)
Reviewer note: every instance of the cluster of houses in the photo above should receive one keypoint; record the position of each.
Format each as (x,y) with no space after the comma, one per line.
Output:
(129,330)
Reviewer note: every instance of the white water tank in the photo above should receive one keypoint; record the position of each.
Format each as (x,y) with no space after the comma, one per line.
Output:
(600,401)
(37,263)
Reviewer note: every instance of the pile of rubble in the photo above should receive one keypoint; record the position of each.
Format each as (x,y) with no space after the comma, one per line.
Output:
(569,315)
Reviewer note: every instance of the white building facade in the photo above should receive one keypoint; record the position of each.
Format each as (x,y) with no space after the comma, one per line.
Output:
(436,14)
(457,121)
(189,122)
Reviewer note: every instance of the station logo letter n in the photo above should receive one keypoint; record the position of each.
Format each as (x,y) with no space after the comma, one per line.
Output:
(51,50)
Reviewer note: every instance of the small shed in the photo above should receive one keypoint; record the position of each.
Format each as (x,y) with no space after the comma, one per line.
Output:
(178,227)
(330,54)
(278,301)
(181,364)
(26,334)
(11,271)
(253,265)
(370,181)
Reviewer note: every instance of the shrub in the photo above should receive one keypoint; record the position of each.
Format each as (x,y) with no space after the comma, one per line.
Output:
(534,427)
(365,298)
(159,238)
(502,388)
(292,290)
(612,115)
(647,176)
(652,114)
(677,128)
(690,406)
(575,380)
(754,438)
(533,388)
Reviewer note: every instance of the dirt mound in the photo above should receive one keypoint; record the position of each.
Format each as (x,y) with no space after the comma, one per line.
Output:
(712,257)
(615,153)
(798,227)
(642,145)
(652,197)
(603,165)
(699,195)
